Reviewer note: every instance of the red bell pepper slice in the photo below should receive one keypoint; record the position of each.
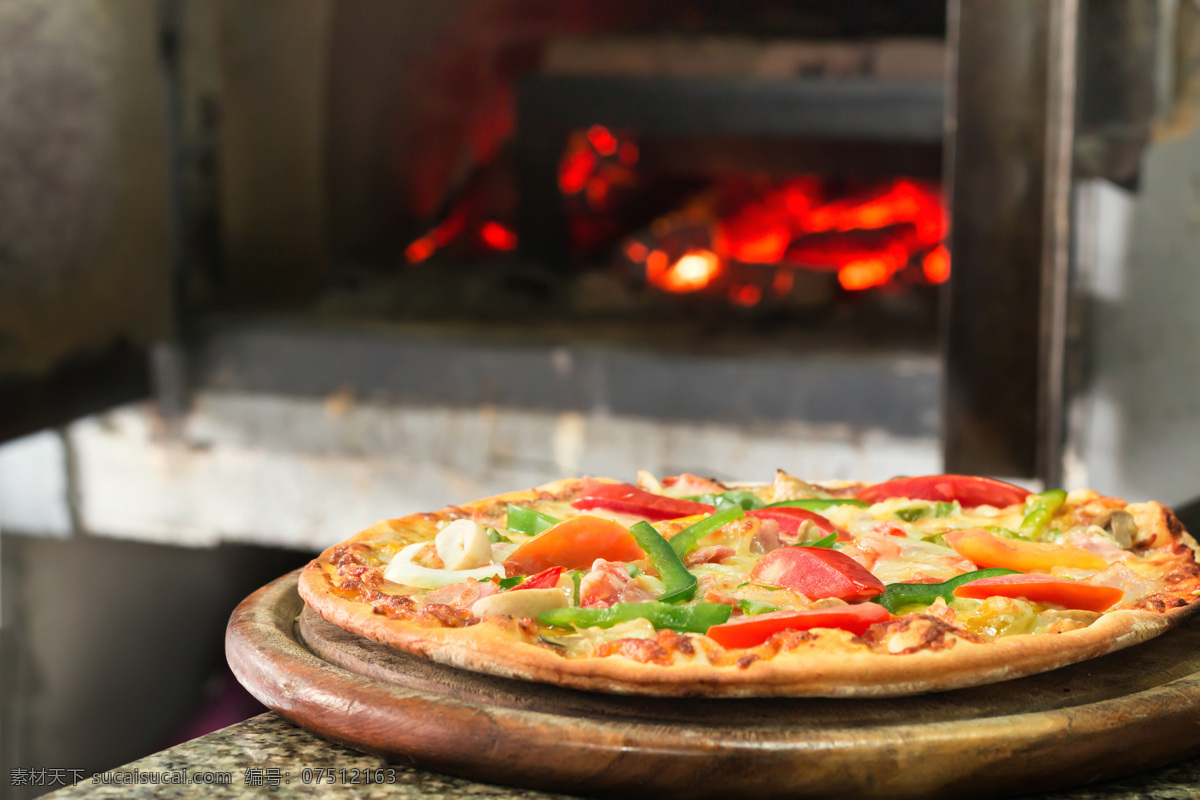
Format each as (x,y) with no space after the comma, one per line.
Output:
(751,631)
(790,520)
(629,499)
(1045,589)
(817,572)
(546,579)
(970,491)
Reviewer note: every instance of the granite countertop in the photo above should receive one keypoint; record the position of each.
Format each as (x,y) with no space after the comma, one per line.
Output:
(268,755)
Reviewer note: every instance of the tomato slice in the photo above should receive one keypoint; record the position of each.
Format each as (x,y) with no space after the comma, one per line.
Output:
(546,579)
(790,520)
(629,499)
(750,631)
(1045,589)
(988,550)
(968,490)
(816,572)
(574,544)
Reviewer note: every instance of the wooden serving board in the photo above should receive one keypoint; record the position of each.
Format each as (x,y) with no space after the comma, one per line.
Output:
(1123,713)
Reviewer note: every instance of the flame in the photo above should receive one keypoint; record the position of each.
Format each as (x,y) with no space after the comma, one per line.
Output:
(636,251)
(497,237)
(747,295)
(692,272)
(440,236)
(601,139)
(936,265)
(866,238)
(865,274)
(576,167)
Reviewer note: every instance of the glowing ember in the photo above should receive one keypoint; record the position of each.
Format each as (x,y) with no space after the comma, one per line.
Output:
(936,265)
(575,170)
(439,237)
(692,272)
(636,252)
(865,274)
(497,237)
(604,142)
(596,161)
(745,295)
(868,237)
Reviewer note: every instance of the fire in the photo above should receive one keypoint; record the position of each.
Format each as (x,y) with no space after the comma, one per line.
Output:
(691,272)
(497,237)
(439,237)
(601,139)
(596,161)
(868,238)
(937,265)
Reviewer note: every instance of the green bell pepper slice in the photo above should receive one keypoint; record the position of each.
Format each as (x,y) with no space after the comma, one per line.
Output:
(742,498)
(686,540)
(752,608)
(679,584)
(695,618)
(527,521)
(1039,508)
(898,595)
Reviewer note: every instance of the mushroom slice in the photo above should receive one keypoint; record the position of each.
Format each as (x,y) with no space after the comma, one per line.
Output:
(519,604)
(1121,526)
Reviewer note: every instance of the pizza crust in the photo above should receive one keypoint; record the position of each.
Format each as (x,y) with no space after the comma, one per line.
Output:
(824,664)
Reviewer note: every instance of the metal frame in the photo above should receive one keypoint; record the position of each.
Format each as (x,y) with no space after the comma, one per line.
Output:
(1009,164)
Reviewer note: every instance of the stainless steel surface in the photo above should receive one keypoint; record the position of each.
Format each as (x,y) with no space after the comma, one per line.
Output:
(1010,183)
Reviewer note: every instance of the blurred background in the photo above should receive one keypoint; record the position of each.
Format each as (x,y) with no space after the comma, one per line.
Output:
(271,271)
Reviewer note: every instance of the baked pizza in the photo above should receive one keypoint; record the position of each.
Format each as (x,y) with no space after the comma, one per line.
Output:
(690,586)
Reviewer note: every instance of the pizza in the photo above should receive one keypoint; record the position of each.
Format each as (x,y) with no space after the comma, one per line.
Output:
(689,586)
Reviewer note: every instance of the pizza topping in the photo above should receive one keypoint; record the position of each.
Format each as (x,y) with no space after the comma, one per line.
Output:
(461,596)
(574,544)
(463,544)
(967,490)
(629,499)
(688,484)
(528,521)
(988,550)
(528,603)
(546,579)
(903,595)
(1121,526)
(1046,589)
(754,630)
(1119,576)
(816,572)
(403,570)
(609,582)
(679,584)
(789,487)
(819,504)
(688,539)
(694,618)
(799,524)
(1039,509)
(715,554)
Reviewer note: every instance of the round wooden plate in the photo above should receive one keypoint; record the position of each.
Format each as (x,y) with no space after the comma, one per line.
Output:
(1132,710)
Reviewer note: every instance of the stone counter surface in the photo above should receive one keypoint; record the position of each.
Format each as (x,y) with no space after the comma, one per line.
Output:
(267,755)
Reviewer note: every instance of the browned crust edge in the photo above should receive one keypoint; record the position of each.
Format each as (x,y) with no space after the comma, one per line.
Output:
(832,664)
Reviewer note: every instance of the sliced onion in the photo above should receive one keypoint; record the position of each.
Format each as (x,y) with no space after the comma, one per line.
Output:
(403,570)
